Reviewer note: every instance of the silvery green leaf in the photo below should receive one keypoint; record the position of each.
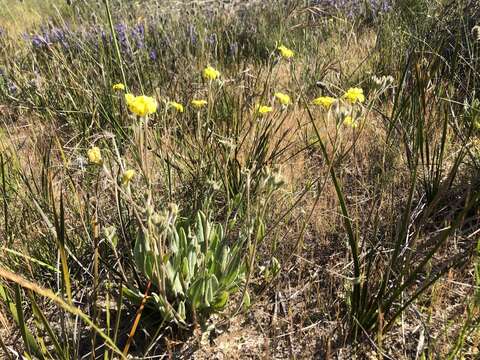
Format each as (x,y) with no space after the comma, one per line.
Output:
(174,243)
(224,259)
(246,301)
(170,271)
(144,257)
(199,229)
(177,285)
(181,310)
(182,239)
(205,226)
(132,295)
(275,266)
(185,269)
(111,236)
(192,261)
(260,230)
(221,300)
(208,298)
(195,293)
(215,283)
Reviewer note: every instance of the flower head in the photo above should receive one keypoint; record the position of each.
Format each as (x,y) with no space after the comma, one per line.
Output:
(382,80)
(476,32)
(210,73)
(177,106)
(286,52)
(325,101)
(283,98)
(263,109)
(199,103)
(94,155)
(129,98)
(127,176)
(348,121)
(141,105)
(118,86)
(354,95)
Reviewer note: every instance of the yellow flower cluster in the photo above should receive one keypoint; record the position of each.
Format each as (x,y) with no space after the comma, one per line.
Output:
(177,106)
(351,96)
(284,99)
(354,95)
(325,101)
(199,103)
(348,121)
(94,155)
(285,52)
(210,73)
(263,109)
(141,105)
(118,86)
(127,176)
(196,103)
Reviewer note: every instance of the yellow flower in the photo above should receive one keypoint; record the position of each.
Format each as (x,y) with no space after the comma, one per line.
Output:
(353,95)
(283,98)
(127,176)
(199,103)
(94,155)
(129,98)
(325,101)
(141,105)
(348,121)
(210,73)
(263,109)
(118,86)
(286,52)
(177,106)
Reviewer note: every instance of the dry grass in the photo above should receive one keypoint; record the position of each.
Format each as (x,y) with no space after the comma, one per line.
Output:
(302,313)
(18,17)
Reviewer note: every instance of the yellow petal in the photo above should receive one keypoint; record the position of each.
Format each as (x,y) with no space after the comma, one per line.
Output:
(325,101)
(285,52)
(199,103)
(94,155)
(283,98)
(118,86)
(210,73)
(263,109)
(127,176)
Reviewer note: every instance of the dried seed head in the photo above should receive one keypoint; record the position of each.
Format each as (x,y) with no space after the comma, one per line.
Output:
(173,208)
(476,32)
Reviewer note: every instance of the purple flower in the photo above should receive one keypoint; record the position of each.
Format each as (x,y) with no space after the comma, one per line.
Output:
(38,41)
(355,8)
(233,49)
(138,33)
(212,39)
(121,30)
(12,88)
(153,55)
(192,34)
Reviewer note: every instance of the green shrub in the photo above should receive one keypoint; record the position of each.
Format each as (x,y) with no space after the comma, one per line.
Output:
(193,269)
